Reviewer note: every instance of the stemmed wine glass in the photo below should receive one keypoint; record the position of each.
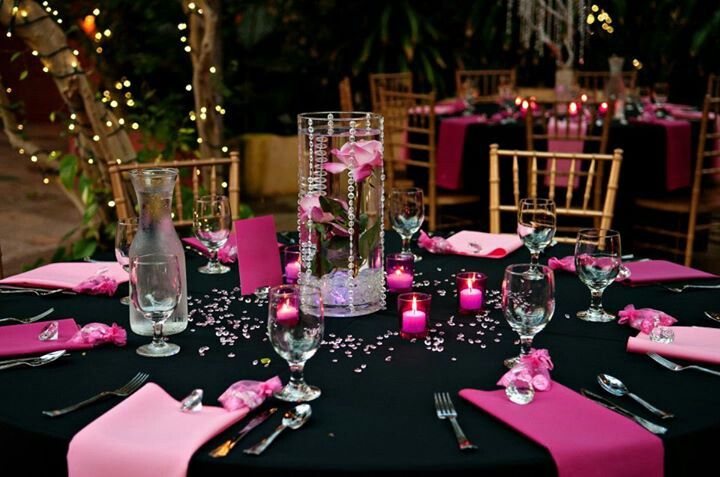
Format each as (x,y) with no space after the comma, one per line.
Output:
(156,290)
(660,93)
(407,213)
(598,262)
(124,234)
(528,302)
(536,225)
(295,327)
(211,225)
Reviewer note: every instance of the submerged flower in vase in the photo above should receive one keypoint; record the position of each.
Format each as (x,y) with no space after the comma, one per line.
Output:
(310,208)
(360,156)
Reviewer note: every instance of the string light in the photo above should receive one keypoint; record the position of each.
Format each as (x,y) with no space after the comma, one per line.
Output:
(46,180)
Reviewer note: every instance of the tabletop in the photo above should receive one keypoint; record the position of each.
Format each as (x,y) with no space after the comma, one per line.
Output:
(376,410)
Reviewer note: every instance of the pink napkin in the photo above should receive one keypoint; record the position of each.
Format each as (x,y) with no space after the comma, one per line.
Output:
(451,143)
(19,340)
(584,438)
(66,274)
(258,254)
(560,128)
(226,254)
(481,244)
(121,443)
(656,271)
(694,343)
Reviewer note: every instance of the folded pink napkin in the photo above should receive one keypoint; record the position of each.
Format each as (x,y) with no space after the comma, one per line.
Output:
(226,254)
(451,144)
(67,275)
(18,340)
(472,244)
(584,438)
(694,343)
(121,442)
(656,271)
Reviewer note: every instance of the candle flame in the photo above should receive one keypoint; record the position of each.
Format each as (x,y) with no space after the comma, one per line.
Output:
(285,306)
(470,282)
(525,105)
(573,108)
(398,271)
(414,305)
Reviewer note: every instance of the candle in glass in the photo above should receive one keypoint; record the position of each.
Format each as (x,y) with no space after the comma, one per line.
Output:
(292,263)
(471,291)
(414,312)
(400,270)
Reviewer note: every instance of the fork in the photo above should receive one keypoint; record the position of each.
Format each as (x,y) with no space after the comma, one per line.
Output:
(682,288)
(6,289)
(123,391)
(31,319)
(676,367)
(446,410)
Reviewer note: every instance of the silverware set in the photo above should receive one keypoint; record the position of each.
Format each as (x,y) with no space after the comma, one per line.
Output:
(224,449)
(31,319)
(445,409)
(294,419)
(650,426)
(123,391)
(617,388)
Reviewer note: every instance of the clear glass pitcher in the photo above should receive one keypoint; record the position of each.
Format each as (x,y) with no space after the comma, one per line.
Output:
(156,234)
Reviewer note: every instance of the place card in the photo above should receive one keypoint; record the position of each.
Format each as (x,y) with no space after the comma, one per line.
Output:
(258,254)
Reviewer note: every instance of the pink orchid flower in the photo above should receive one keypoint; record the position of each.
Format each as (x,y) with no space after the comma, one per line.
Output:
(360,156)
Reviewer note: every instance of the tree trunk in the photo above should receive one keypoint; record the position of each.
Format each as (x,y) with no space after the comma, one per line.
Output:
(206,55)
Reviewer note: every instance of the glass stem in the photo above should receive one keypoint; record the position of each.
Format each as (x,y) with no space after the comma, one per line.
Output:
(406,244)
(213,262)
(534,259)
(525,345)
(596,300)
(158,334)
(296,374)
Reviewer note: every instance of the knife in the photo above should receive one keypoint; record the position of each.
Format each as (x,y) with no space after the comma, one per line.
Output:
(223,449)
(650,426)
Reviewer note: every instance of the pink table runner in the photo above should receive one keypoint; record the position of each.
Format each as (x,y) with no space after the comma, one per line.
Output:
(678,160)
(66,274)
(584,438)
(451,143)
(145,435)
(18,340)
(693,343)
(658,271)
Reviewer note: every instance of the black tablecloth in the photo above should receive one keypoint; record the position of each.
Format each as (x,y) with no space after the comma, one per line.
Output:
(375,415)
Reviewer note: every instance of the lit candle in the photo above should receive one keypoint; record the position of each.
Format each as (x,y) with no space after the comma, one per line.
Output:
(573,107)
(603,107)
(292,271)
(399,280)
(287,314)
(413,320)
(518,101)
(470,298)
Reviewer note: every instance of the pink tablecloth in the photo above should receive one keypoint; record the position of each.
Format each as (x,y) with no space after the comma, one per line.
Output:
(145,435)
(451,143)
(584,438)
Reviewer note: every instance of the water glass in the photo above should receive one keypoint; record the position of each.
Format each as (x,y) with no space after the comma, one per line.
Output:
(528,303)
(295,327)
(536,225)
(598,262)
(660,93)
(155,291)
(407,213)
(211,225)
(124,234)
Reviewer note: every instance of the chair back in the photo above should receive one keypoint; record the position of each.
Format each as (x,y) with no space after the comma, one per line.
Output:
(713,88)
(399,82)
(487,83)
(707,168)
(346,102)
(576,207)
(202,176)
(410,140)
(2,274)
(593,82)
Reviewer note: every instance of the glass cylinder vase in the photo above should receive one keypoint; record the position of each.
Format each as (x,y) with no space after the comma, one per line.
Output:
(340,209)
(156,235)
(615,89)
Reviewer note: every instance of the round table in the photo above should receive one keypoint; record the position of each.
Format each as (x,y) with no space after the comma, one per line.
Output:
(376,412)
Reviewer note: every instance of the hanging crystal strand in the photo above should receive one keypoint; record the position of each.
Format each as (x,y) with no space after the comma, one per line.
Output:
(351,224)
(382,210)
(308,247)
(508,18)
(321,157)
(582,15)
(541,20)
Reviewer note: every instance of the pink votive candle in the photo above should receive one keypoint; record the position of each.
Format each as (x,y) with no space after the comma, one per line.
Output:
(287,314)
(471,299)
(399,280)
(413,321)
(292,271)
(470,291)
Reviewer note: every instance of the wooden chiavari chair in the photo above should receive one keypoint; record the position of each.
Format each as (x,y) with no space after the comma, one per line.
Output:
(195,171)
(713,88)
(572,206)
(346,102)
(565,122)
(2,274)
(704,197)
(594,82)
(487,83)
(410,140)
(399,82)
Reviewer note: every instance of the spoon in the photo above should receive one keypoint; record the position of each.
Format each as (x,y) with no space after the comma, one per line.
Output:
(713,315)
(617,388)
(294,419)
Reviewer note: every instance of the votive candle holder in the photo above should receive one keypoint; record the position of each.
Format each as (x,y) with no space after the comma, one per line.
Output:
(400,269)
(284,305)
(470,291)
(292,265)
(414,314)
